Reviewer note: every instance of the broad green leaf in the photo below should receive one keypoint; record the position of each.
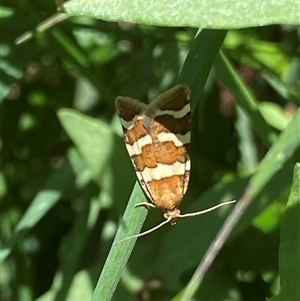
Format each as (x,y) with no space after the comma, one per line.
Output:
(194,13)
(93,138)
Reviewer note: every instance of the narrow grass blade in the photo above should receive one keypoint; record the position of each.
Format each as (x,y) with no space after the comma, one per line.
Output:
(244,98)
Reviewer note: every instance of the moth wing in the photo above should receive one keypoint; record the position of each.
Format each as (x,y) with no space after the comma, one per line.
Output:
(168,114)
(130,112)
(172,112)
(175,99)
(128,109)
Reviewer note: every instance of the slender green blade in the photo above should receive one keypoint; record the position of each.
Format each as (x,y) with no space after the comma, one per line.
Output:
(289,250)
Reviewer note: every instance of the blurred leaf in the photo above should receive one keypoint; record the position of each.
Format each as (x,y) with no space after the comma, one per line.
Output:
(260,54)
(194,13)
(93,138)
(3,186)
(74,247)
(6,12)
(249,157)
(14,58)
(282,88)
(274,115)
(104,154)
(289,251)
(48,196)
(280,153)
(81,288)
(244,98)
(270,218)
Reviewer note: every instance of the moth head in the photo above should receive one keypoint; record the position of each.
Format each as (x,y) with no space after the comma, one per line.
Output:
(172,215)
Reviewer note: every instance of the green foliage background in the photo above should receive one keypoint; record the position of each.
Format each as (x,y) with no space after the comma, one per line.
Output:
(66,179)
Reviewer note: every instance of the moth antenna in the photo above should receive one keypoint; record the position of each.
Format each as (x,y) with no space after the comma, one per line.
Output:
(147,231)
(206,210)
(146,204)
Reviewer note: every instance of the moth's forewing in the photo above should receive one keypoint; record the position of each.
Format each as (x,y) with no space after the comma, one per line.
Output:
(157,138)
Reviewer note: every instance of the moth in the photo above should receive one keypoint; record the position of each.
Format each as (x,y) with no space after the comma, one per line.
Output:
(157,138)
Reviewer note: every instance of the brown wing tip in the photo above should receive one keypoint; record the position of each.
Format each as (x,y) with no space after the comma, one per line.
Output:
(183,88)
(129,106)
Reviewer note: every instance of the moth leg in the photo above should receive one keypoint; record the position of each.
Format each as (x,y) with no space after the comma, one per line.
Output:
(147,204)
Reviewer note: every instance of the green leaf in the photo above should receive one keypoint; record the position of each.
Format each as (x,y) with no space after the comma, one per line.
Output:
(283,88)
(48,196)
(280,153)
(289,250)
(120,252)
(193,13)
(198,63)
(274,115)
(93,138)
(244,97)
(14,59)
